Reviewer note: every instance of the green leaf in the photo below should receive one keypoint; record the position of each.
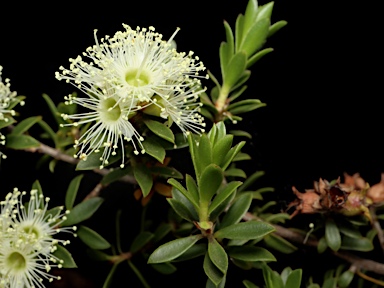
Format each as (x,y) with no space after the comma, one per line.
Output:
(229,38)
(349,230)
(225,57)
(332,235)
(345,279)
(4,123)
(322,245)
(116,174)
(240,133)
(181,210)
(173,249)
(235,70)
(221,148)
(92,239)
(221,131)
(201,154)
(140,241)
(235,95)
(73,187)
(193,252)
(249,284)
(250,253)
(143,176)
(250,15)
(108,281)
(256,57)
(24,125)
(278,217)
(160,130)
(224,193)
(154,148)
(264,11)
(222,206)
(83,211)
(237,210)
(234,172)
(294,279)
(53,109)
(178,196)
(161,231)
(93,161)
(231,155)
(218,255)
(245,230)
(245,106)
(193,190)
(280,244)
(276,27)
(255,37)
(52,135)
(239,31)
(186,193)
(37,186)
(271,278)
(329,282)
(21,142)
(165,268)
(211,179)
(63,254)
(210,269)
(240,83)
(250,180)
(357,244)
(166,172)
(210,284)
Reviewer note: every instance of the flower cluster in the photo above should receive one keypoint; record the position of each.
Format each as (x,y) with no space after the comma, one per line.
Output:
(6,99)
(26,243)
(132,72)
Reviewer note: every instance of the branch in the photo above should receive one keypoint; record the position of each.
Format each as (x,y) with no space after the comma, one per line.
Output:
(360,263)
(57,154)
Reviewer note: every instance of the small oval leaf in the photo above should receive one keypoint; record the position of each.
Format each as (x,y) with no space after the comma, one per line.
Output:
(245,230)
(332,235)
(172,249)
(92,238)
(63,254)
(73,187)
(83,211)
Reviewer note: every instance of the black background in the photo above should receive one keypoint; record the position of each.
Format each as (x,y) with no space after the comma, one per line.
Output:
(322,83)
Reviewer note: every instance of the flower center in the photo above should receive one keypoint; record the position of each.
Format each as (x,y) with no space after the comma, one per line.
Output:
(16,261)
(31,230)
(109,110)
(137,78)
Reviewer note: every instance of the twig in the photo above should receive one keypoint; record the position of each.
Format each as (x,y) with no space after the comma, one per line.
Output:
(377,226)
(366,277)
(54,153)
(360,263)
(95,192)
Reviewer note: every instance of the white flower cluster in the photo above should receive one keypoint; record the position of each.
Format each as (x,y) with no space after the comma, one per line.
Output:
(6,98)
(26,242)
(133,71)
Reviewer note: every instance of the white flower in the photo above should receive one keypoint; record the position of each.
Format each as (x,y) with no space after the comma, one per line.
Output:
(33,223)
(26,242)
(6,97)
(23,266)
(134,68)
(111,126)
